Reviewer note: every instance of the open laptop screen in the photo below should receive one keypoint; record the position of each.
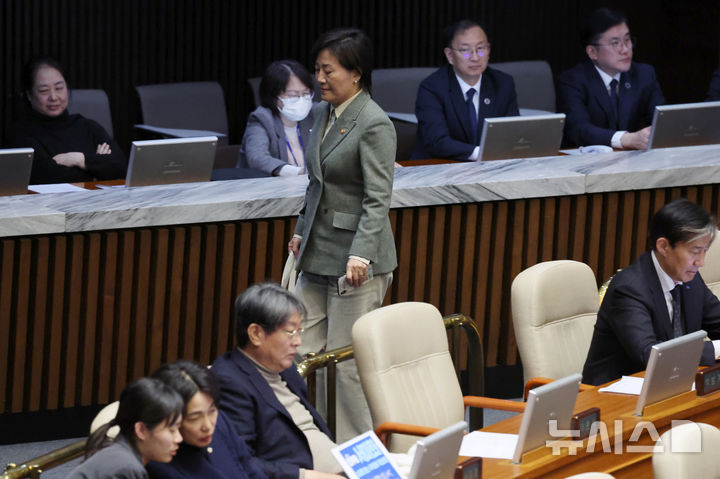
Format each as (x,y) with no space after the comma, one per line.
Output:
(177,160)
(16,164)
(687,124)
(521,136)
(671,369)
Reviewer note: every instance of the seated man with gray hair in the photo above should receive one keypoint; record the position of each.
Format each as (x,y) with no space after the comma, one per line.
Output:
(263,394)
(659,297)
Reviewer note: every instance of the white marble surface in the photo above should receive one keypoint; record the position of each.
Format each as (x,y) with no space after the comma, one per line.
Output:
(414,186)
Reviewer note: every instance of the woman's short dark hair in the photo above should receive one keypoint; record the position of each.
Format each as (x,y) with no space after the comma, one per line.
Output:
(597,23)
(266,304)
(145,400)
(188,378)
(449,32)
(353,50)
(276,77)
(681,221)
(32,66)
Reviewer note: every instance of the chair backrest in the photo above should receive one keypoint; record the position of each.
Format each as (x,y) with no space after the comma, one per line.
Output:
(554,308)
(395,89)
(255,88)
(191,105)
(92,104)
(405,368)
(106,415)
(711,270)
(687,451)
(533,83)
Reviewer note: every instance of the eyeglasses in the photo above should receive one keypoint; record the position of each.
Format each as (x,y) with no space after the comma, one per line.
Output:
(467,52)
(293,333)
(618,44)
(293,96)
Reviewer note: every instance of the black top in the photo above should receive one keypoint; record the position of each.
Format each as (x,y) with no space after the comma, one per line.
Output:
(50,136)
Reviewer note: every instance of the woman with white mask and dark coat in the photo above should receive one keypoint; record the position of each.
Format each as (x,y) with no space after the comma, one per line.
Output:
(277,130)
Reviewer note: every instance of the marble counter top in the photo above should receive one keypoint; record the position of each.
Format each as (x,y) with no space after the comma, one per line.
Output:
(414,186)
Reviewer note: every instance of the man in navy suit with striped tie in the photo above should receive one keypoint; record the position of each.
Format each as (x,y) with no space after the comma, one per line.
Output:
(608,98)
(452,102)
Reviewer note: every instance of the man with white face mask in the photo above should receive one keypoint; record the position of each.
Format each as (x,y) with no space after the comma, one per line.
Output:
(278,129)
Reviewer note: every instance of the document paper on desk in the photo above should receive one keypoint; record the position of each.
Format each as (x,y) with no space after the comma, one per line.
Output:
(493,445)
(55,188)
(626,385)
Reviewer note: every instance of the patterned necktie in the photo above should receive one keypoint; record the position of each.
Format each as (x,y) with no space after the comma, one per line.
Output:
(473,114)
(614,102)
(678,329)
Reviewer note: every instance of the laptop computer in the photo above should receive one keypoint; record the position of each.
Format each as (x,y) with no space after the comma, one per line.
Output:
(436,455)
(686,124)
(16,164)
(671,369)
(521,136)
(176,160)
(365,457)
(553,401)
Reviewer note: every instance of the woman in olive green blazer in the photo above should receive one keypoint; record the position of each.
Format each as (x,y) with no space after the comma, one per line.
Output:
(343,228)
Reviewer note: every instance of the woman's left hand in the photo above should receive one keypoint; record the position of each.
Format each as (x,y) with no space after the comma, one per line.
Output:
(356,272)
(73,158)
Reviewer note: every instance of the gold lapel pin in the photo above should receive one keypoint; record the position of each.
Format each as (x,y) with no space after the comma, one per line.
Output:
(342,131)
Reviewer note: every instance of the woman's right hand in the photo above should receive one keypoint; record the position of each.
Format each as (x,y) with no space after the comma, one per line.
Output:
(294,245)
(103,149)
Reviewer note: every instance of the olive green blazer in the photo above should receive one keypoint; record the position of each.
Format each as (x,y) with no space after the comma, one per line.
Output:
(347,201)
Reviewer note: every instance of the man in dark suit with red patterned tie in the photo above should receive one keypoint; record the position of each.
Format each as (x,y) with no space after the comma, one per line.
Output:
(608,98)
(452,102)
(659,297)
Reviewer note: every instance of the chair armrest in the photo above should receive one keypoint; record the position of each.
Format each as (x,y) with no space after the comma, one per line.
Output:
(535,382)
(384,430)
(494,403)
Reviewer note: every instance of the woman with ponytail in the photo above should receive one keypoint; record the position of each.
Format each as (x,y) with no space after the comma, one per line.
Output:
(211,447)
(149,416)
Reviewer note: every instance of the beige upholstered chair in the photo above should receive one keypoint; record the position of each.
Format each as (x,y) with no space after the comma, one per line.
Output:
(407,373)
(106,415)
(554,308)
(711,270)
(687,451)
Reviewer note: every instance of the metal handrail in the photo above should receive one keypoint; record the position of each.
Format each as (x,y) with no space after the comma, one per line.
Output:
(330,359)
(34,467)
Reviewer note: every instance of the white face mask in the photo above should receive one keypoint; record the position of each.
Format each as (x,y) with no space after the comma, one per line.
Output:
(296,110)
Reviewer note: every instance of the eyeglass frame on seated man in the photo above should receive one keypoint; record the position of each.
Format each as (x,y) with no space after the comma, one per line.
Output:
(629,41)
(467,52)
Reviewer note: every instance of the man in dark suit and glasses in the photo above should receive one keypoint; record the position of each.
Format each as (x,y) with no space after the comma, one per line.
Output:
(658,297)
(608,98)
(452,102)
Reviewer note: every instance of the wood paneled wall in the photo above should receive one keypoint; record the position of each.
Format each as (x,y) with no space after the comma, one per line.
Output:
(82,314)
(118,44)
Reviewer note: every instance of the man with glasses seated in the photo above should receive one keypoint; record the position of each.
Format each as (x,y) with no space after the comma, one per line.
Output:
(453,101)
(608,98)
(263,394)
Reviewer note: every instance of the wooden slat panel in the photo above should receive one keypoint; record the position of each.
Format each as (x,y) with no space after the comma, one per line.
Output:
(90,321)
(82,314)
(106,365)
(7,280)
(37,389)
(158,321)
(22,318)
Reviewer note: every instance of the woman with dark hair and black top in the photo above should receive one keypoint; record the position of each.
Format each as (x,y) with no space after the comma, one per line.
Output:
(278,130)
(68,148)
(211,447)
(149,415)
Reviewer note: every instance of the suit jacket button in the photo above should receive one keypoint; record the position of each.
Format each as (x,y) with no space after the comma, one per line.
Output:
(325,210)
